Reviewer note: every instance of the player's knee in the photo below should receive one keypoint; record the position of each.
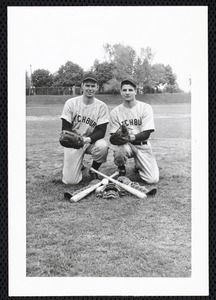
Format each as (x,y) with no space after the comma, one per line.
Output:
(153,180)
(120,155)
(71,177)
(150,179)
(102,144)
(69,180)
(119,159)
(100,151)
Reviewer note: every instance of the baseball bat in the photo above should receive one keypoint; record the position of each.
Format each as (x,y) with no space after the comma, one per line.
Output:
(101,187)
(90,189)
(126,187)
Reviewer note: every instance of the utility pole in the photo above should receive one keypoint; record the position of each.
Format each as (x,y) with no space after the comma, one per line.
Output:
(30,79)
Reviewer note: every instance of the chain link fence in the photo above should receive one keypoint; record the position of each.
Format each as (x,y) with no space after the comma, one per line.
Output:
(60,90)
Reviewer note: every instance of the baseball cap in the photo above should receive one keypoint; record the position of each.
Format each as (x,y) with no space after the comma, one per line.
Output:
(129,81)
(90,76)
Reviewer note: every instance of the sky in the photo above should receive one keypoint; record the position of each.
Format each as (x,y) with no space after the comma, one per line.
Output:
(50,36)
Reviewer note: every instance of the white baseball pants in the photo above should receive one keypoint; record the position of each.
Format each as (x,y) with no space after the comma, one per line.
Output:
(144,160)
(73,160)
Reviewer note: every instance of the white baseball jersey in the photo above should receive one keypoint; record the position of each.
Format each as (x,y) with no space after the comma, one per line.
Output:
(85,118)
(137,118)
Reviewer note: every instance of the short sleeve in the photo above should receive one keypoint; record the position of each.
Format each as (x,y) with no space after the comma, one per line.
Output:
(103,115)
(148,119)
(67,112)
(114,122)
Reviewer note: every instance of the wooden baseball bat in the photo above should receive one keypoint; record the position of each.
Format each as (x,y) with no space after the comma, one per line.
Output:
(126,187)
(101,187)
(90,189)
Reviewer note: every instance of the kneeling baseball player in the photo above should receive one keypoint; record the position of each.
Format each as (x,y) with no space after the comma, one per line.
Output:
(131,124)
(84,123)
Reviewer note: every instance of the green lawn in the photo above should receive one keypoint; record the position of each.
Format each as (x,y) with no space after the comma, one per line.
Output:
(170,98)
(98,237)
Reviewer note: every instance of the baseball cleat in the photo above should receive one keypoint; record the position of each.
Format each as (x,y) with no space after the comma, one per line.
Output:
(83,167)
(93,175)
(67,195)
(122,170)
(152,192)
(136,170)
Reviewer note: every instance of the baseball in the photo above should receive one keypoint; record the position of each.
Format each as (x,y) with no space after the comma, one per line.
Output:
(105,181)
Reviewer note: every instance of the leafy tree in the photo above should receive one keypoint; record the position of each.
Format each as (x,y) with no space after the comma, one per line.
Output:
(158,75)
(142,66)
(139,71)
(160,78)
(41,78)
(171,78)
(146,55)
(104,71)
(123,61)
(69,74)
(112,86)
(123,58)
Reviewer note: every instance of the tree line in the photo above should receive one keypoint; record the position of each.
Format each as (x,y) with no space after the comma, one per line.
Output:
(120,61)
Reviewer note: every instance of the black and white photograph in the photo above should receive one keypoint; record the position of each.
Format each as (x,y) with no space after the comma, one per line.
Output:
(108,186)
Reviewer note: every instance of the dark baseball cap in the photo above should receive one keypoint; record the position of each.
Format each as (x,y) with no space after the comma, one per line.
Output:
(128,81)
(90,76)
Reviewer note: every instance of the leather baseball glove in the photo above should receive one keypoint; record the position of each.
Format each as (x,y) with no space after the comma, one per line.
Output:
(137,186)
(70,139)
(109,191)
(121,136)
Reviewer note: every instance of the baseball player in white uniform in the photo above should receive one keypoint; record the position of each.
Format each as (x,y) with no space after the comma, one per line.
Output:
(87,116)
(138,117)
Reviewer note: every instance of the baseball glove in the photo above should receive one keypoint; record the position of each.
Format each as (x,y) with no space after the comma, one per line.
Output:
(137,186)
(70,139)
(109,191)
(121,136)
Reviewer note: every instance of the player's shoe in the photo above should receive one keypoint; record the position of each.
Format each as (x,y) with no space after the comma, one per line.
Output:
(83,167)
(136,170)
(68,195)
(93,175)
(122,170)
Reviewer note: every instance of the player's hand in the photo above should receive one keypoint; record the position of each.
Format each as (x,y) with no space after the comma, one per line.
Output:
(121,136)
(86,140)
(69,139)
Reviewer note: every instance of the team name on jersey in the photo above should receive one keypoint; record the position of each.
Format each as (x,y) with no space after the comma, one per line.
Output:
(132,122)
(84,119)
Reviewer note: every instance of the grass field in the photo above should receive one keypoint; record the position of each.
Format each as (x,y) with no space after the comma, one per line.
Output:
(125,237)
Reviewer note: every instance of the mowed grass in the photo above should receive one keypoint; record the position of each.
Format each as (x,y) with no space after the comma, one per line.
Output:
(125,237)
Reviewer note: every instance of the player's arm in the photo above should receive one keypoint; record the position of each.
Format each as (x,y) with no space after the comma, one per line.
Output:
(66,125)
(98,133)
(147,126)
(141,136)
(100,130)
(114,122)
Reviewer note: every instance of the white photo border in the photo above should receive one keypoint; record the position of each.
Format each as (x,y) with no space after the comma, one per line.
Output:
(19,284)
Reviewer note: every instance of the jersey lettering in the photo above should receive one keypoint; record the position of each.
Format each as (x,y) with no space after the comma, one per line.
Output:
(132,122)
(84,119)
